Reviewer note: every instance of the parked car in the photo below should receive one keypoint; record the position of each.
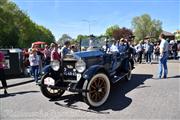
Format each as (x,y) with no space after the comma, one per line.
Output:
(91,73)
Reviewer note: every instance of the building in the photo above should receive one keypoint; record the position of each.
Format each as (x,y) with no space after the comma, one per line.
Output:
(168,35)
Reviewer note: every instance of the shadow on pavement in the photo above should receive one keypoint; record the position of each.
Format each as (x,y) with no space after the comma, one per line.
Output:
(117,99)
(17,84)
(16,93)
(176,76)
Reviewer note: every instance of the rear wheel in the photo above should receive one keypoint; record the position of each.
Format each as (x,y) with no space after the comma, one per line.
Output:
(128,76)
(50,92)
(98,90)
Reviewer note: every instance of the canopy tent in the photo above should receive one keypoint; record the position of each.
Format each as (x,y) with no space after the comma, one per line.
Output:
(168,35)
(39,43)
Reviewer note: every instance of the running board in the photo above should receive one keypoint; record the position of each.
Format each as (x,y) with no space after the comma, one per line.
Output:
(118,77)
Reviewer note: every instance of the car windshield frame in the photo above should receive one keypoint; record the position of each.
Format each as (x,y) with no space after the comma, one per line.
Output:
(99,42)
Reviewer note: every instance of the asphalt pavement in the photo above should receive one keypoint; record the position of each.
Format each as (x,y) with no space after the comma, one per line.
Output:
(144,97)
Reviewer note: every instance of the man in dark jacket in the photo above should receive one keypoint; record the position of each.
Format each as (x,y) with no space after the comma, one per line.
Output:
(174,49)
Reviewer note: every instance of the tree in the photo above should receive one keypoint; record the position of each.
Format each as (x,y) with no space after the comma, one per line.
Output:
(109,31)
(17,29)
(122,33)
(63,38)
(144,26)
(81,37)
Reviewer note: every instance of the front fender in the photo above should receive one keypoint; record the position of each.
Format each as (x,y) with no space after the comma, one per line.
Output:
(91,71)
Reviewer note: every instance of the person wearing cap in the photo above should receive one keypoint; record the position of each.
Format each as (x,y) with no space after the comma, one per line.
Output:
(2,74)
(34,64)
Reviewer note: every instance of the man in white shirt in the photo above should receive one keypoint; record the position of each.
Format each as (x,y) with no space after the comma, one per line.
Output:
(164,46)
(114,47)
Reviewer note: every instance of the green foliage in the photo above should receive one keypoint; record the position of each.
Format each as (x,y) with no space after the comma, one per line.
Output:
(109,31)
(177,36)
(63,38)
(17,29)
(122,33)
(81,37)
(144,26)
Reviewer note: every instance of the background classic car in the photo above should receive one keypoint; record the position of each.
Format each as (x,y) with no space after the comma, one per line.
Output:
(89,72)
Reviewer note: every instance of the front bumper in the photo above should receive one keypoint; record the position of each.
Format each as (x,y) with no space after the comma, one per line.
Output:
(69,88)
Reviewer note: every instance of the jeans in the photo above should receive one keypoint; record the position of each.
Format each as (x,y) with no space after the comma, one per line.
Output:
(174,54)
(148,57)
(163,64)
(139,59)
(35,72)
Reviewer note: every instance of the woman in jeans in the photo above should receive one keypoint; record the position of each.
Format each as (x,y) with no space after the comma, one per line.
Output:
(34,63)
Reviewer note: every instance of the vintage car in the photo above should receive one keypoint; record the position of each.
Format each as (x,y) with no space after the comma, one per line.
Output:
(90,73)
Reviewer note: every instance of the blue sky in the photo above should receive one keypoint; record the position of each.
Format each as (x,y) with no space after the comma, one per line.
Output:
(73,17)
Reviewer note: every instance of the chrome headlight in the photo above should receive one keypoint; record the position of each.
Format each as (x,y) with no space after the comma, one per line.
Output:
(80,66)
(55,65)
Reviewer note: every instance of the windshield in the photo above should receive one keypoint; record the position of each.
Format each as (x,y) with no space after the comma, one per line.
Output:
(93,43)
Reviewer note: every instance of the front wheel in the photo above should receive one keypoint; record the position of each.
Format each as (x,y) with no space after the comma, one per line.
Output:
(50,92)
(128,76)
(98,90)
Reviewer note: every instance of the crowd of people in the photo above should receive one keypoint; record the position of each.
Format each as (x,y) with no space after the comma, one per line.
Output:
(150,50)
(146,48)
(40,59)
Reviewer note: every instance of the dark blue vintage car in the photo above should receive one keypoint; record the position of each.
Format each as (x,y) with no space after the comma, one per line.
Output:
(89,72)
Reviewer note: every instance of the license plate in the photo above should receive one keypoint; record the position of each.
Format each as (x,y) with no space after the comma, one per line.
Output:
(69,73)
(49,81)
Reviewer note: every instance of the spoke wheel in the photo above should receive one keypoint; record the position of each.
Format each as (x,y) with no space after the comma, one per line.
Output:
(128,76)
(99,88)
(50,92)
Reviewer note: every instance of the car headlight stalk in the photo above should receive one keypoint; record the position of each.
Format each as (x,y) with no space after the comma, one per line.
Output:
(80,66)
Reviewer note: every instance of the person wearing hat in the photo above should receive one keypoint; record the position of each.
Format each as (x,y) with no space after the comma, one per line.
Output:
(34,64)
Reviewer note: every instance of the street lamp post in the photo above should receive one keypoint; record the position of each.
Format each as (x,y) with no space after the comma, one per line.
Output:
(89,25)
